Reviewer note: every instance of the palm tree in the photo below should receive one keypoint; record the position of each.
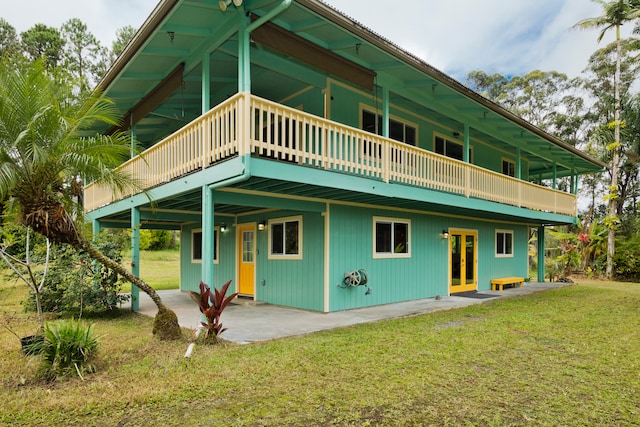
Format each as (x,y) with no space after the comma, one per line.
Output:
(46,147)
(616,14)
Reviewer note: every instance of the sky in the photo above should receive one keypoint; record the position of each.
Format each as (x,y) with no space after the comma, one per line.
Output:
(511,37)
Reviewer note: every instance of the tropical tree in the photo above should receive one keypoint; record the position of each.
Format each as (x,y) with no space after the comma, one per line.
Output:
(9,41)
(41,40)
(616,14)
(81,53)
(45,144)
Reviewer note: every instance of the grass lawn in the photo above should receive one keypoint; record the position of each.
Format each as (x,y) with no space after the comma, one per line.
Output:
(159,269)
(570,356)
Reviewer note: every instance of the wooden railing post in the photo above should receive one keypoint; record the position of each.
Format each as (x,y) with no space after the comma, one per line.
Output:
(467,181)
(237,126)
(243,117)
(386,160)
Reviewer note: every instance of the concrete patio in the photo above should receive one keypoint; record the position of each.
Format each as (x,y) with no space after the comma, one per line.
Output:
(248,321)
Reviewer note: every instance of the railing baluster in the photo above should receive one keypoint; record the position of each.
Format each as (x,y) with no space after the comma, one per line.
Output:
(271,129)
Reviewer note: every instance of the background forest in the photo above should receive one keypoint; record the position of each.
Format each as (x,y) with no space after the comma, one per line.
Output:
(598,112)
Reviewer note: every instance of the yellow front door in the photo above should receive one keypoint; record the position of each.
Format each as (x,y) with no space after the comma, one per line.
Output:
(246,259)
(463,261)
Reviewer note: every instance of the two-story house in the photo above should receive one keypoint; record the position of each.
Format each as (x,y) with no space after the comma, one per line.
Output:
(301,154)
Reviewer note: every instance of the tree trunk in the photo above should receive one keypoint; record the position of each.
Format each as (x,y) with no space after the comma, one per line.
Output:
(95,254)
(50,218)
(613,188)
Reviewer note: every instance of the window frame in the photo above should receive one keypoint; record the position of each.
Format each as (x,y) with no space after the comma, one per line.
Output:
(284,220)
(446,140)
(378,124)
(511,163)
(392,221)
(216,245)
(504,254)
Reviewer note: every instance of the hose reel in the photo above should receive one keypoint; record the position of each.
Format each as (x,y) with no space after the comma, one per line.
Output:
(355,278)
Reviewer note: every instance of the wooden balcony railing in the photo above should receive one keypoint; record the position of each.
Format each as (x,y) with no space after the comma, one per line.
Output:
(246,124)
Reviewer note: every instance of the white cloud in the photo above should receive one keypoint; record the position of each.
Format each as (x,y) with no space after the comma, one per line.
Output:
(506,36)
(103,17)
(455,36)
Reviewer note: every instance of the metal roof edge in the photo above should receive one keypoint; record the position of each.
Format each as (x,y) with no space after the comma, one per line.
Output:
(152,22)
(339,18)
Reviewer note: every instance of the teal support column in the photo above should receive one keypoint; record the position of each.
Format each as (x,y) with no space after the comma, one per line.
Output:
(133,150)
(135,256)
(541,253)
(467,143)
(206,83)
(208,234)
(95,228)
(385,112)
(244,57)
(518,163)
(555,177)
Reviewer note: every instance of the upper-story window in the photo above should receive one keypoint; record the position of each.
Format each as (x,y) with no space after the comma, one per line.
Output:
(508,167)
(398,130)
(450,148)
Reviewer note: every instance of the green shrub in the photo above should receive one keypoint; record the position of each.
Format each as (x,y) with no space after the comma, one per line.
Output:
(627,259)
(74,283)
(69,348)
(156,240)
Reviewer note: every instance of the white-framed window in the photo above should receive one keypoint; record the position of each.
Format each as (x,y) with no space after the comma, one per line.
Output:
(504,243)
(400,130)
(196,245)
(391,237)
(285,238)
(450,148)
(508,167)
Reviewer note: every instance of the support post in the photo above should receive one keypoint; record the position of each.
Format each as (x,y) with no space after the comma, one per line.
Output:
(541,254)
(555,177)
(133,150)
(466,144)
(206,83)
(244,58)
(385,112)
(135,256)
(208,234)
(518,163)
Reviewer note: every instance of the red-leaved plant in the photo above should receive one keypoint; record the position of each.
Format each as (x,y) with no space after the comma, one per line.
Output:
(212,304)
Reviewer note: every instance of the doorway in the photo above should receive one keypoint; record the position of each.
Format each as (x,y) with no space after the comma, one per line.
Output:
(246,259)
(463,261)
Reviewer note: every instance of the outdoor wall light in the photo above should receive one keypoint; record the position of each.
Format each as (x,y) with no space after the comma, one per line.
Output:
(223,227)
(456,134)
(445,234)
(224,4)
(262,225)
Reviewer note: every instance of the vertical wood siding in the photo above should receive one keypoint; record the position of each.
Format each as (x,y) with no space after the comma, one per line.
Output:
(295,283)
(425,274)
(191,273)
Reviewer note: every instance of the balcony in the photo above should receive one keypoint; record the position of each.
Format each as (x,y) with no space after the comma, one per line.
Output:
(246,124)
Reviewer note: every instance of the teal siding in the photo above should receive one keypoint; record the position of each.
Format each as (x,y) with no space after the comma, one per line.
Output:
(492,267)
(345,105)
(391,280)
(311,101)
(190,272)
(300,283)
(295,283)
(426,273)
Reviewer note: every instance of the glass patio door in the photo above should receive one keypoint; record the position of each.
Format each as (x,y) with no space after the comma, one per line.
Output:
(463,261)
